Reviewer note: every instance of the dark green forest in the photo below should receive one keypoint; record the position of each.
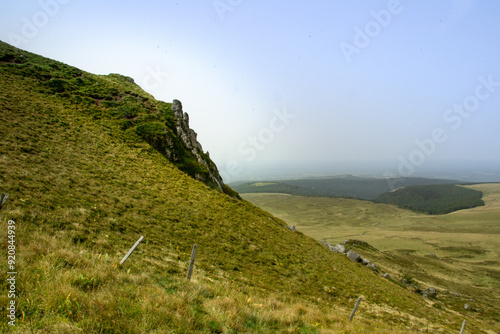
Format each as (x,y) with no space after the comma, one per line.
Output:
(346,186)
(432,196)
(433,199)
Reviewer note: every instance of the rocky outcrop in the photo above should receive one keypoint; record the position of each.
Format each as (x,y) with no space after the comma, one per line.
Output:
(169,133)
(185,133)
(337,248)
(352,255)
(409,283)
(188,138)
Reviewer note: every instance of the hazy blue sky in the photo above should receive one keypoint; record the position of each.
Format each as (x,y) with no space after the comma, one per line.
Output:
(411,83)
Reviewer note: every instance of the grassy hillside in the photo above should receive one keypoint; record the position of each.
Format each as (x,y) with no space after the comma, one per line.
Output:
(433,199)
(456,253)
(84,186)
(346,186)
(116,102)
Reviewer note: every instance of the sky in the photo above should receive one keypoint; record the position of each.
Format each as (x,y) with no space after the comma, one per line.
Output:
(396,86)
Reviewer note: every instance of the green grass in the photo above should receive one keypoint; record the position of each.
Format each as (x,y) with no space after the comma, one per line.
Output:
(84,184)
(114,100)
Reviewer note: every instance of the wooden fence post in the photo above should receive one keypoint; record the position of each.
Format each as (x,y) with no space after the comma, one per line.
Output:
(463,327)
(355,308)
(3,199)
(191,263)
(131,250)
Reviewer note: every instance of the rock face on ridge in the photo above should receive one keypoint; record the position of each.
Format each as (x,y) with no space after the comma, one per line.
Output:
(186,134)
(169,133)
(188,138)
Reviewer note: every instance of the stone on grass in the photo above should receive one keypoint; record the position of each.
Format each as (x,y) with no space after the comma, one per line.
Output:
(353,256)
(339,249)
(330,247)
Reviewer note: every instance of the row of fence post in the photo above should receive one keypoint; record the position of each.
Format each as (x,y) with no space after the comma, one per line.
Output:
(4,197)
(190,272)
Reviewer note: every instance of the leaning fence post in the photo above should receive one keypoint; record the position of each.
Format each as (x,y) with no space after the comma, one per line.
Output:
(355,308)
(191,263)
(3,199)
(463,327)
(131,249)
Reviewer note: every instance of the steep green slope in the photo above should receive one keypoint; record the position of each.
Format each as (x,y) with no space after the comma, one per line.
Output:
(84,185)
(433,199)
(118,102)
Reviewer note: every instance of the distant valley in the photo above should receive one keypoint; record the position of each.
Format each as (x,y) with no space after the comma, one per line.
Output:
(456,253)
(433,196)
(347,186)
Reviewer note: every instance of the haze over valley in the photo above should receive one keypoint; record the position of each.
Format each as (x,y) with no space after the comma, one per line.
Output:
(461,170)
